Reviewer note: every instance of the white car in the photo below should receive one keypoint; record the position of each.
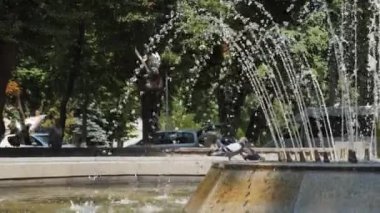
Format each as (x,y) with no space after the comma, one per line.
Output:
(38,140)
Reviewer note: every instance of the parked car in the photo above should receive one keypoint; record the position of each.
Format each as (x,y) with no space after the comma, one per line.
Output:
(38,140)
(173,139)
(321,135)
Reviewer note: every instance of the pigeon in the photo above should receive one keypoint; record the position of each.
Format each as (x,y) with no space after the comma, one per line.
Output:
(234,148)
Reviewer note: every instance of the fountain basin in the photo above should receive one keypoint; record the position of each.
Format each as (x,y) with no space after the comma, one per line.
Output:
(136,197)
(291,187)
(88,170)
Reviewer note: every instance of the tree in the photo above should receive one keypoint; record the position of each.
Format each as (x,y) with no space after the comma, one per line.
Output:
(74,72)
(7,65)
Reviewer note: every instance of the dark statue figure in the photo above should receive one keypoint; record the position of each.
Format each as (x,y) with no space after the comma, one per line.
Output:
(151,87)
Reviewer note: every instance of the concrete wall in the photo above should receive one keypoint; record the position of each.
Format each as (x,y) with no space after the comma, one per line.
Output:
(243,187)
(91,169)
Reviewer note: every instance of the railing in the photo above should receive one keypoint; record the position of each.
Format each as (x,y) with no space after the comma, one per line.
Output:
(296,154)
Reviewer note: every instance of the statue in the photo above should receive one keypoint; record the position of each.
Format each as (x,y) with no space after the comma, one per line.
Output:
(151,63)
(151,86)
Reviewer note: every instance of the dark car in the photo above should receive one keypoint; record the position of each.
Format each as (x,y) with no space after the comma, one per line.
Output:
(173,139)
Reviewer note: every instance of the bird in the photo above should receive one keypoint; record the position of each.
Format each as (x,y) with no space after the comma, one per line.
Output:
(234,148)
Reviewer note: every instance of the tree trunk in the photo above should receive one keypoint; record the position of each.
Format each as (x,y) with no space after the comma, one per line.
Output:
(222,109)
(84,118)
(7,65)
(20,109)
(365,83)
(333,81)
(73,74)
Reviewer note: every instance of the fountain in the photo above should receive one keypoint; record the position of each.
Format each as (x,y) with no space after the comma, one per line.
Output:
(284,82)
(299,117)
(314,130)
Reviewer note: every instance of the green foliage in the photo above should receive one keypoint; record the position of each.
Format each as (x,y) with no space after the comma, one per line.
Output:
(213,6)
(311,40)
(262,70)
(34,83)
(52,115)
(135,17)
(334,8)
(11,113)
(240,133)
(179,118)
(280,110)
(250,104)
(47,34)
(195,26)
(123,114)
(170,58)
(96,125)
(317,39)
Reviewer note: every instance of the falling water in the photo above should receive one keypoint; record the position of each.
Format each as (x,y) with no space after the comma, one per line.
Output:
(262,42)
(374,66)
